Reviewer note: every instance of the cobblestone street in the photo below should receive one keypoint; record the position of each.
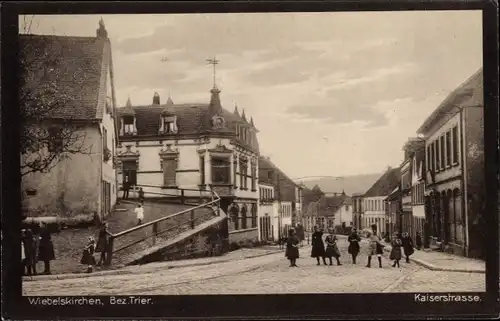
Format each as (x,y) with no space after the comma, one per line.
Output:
(267,275)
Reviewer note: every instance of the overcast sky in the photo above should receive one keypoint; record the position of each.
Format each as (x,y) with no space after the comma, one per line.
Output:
(331,93)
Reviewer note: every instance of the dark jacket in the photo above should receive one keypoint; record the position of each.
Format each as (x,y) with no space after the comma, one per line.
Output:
(292,251)
(30,246)
(332,249)
(46,247)
(396,249)
(408,245)
(102,240)
(318,248)
(353,240)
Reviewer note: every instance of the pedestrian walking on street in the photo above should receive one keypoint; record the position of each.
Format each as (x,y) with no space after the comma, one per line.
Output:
(102,243)
(139,212)
(418,240)
(332,249)
(46,248)
(126,188)
(292,248)
(318,248)
(30,249)
(375,248)
(407,246)
(88,255)
(396,249)
(353,248)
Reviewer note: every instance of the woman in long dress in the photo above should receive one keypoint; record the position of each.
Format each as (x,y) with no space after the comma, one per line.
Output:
(318,248)
(292,248)
(332,249)
(353,248)
(396,249)
(407,246)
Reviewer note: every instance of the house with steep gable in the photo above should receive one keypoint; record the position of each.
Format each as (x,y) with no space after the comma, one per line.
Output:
(374,200)
(167,147)
(82,70)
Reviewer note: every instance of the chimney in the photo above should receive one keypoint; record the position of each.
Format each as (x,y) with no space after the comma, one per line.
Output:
(156,99)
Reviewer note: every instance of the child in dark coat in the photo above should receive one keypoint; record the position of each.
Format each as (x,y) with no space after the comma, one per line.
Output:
(332,249)
(292,248)
(396,249)
(88,255)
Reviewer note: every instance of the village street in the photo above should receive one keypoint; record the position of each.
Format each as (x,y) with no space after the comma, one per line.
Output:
(265,274)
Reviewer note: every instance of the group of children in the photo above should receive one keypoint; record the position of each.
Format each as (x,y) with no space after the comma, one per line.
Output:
(102,243)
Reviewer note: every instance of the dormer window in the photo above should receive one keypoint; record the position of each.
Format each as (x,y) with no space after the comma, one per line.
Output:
(168,125)
(128,125)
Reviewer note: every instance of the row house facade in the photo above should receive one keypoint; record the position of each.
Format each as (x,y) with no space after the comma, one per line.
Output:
(357,210)
(409,222)
(374,200)
(87,108)
(454,136)
(288,197)
(197,146)
(418,193)
(331,212)
(268,213)
(393,211)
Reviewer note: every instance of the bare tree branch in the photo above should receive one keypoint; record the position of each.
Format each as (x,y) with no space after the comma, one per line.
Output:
(47,135)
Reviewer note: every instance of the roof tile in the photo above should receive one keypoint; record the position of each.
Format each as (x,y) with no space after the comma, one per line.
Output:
(65,69)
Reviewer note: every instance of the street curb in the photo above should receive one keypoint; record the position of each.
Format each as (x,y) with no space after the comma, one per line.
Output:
(433,267)
(130,272)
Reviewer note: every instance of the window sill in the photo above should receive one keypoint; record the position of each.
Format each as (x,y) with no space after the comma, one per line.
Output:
(454,164)
(221,184)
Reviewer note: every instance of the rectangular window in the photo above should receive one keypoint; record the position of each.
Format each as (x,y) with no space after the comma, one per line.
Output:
(443,152)
(254,215)
(254,177)
(448,148)
(105,138)
(235,170)
(455,144)
(169,172)
(432,166)
(168,126)
(221,171)
(202,170)
(429,162)
(438,154)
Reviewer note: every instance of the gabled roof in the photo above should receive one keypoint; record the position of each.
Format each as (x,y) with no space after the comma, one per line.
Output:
(333,203)
(385,184)
(394,194)
(468,94)
(286,188)
(68,70)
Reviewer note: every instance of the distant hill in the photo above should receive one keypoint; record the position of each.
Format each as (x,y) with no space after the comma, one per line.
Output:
(350,184)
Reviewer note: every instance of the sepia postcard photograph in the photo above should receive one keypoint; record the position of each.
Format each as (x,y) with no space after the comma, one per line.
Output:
(252,153)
